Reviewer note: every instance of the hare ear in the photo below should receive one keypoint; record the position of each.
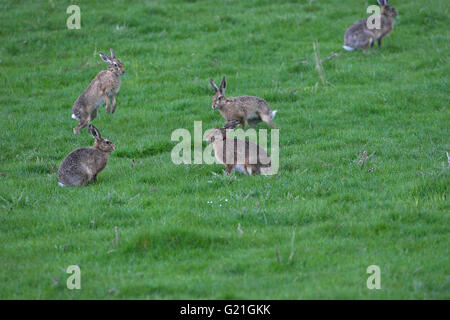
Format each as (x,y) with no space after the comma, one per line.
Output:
(223,85)
(105,57)
(382,2)
(94,131)
(213,85)
(112,53)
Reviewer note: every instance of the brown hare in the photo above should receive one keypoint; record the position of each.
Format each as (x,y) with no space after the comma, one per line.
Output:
(83,165)
(103,87)
(244,108)
(360,36)
(242,155)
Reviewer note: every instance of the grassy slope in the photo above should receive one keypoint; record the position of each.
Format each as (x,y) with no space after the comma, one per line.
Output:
(338,218)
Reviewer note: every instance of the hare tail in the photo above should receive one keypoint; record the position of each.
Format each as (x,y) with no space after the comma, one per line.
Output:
(274,112)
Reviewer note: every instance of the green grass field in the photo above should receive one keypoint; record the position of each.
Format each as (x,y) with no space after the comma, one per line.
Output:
(309,232)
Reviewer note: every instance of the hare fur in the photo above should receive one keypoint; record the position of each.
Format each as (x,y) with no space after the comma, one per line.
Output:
(245,108)
(360,36)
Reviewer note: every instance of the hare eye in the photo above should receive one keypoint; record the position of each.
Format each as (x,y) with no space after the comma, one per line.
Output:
(115,64)
(107,142)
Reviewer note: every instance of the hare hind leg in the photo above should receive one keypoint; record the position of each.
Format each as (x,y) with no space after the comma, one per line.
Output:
(229,168)
(108,104)
(93,115)
(84,179)
(368,39)
(253,122)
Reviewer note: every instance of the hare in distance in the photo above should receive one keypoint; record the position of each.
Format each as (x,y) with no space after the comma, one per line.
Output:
(244,108)
(83,165)
(103,87)
(360,36)
(242,155)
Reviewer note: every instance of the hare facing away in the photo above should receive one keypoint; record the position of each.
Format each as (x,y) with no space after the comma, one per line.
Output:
(360,36)
(244,108)
(103,87)
(83,165)
(242,155)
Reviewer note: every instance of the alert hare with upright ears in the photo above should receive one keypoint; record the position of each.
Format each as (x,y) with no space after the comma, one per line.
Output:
(104,86)
(360,36)
(83,165)
(244,108)
(242,155)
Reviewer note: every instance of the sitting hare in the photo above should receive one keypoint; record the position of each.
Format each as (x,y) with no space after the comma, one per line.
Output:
(83,165)
(242,155)
(245,108)
(360,36)
(104,86)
